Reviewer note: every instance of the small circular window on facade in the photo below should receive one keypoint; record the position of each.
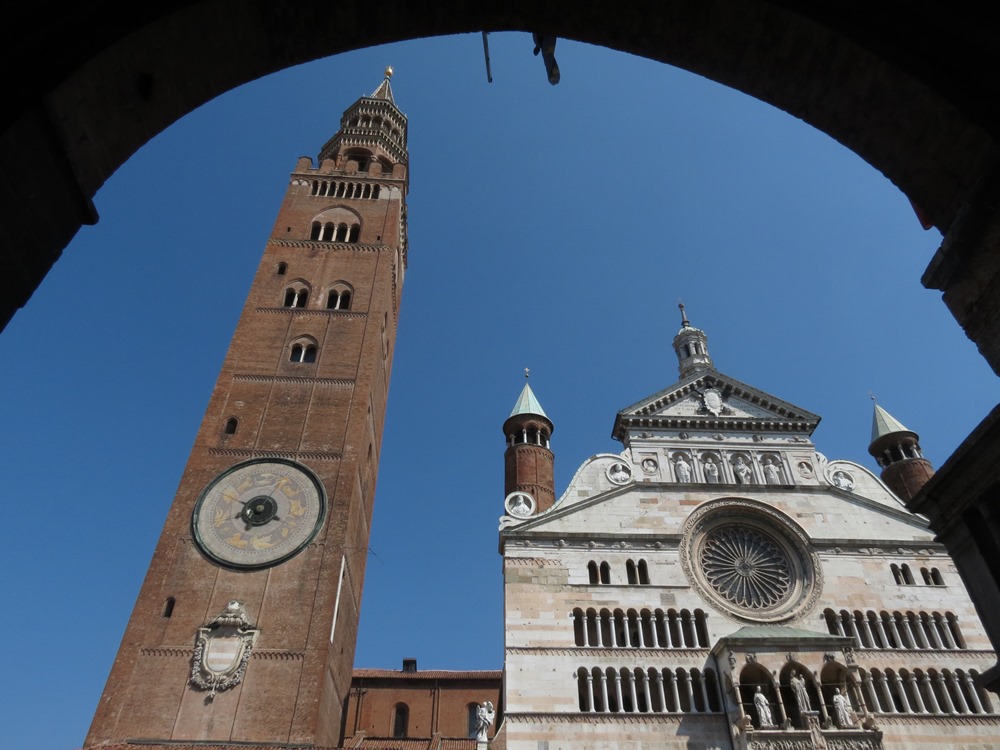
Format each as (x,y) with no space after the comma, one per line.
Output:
(749,561)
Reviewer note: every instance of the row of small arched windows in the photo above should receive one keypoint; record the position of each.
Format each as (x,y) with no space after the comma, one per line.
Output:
(904,576)
(650,690)
(367,121)
(636,573)
(330,232)
(338,298)
(896,630)
(925,692)
(336,189)
(640,629)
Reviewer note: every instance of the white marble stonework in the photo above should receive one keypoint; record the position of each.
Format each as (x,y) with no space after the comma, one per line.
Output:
(645,613)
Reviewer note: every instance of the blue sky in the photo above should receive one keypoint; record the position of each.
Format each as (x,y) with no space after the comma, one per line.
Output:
(554,228)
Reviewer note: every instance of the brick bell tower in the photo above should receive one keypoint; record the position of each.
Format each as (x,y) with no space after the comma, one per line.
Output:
(528,461)
(897,451)
(244,629)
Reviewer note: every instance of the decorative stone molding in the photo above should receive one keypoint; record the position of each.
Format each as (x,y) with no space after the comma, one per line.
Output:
(169,651)
(750,561)
(293,455)
(289,380)
(614,718)
(222,650)
(307,313)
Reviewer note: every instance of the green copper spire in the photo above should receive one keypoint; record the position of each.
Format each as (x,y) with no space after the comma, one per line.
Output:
(527,403)
(883,423)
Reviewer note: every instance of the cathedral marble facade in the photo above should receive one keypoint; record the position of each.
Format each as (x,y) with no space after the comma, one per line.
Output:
(720,583)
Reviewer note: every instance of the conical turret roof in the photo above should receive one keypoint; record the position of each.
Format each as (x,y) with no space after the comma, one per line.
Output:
(384,90)
(527,404)
(883,423)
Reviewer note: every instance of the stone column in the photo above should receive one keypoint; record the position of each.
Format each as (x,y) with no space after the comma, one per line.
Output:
(931,698)
(915,690)
(673,688)
(883,637)
(618,690)
(949,706)
(872,695)
(901,691)
(590,692)
(974,694)
(660,691)
(889,702)
(963,707)
(689,691)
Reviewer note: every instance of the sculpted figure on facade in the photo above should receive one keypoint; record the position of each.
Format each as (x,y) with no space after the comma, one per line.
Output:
(711,470)
(800,692)
(683,469)
(741,470)
(484,720)
(619,473)
(772,474)
(842,710)
(843,480)
(763,709)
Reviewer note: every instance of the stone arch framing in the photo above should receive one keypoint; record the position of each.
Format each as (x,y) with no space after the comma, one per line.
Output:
(856,76)
(79,113)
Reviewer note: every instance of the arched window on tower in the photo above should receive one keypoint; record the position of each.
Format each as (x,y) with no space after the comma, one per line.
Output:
(355,233)
(339,297)
(303,352)
(296,296)
(400,719)
(281,269)
(231,424)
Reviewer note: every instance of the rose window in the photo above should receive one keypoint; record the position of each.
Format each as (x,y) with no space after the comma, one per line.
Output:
(746,568)
(751,561)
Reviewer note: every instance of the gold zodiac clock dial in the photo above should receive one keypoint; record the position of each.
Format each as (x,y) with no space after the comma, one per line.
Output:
(259,513)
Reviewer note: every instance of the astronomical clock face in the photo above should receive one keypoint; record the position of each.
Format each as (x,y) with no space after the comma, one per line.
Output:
(259,513)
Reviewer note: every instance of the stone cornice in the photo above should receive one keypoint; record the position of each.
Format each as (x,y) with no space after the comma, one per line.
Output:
(946,719)
(614,718)
(677,654)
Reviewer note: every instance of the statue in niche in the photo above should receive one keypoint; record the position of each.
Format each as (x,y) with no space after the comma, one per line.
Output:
(683,469)
(800,692)
(711,470)
(742,470)
(484,720)
(842,710)
(772,474)
(763,708)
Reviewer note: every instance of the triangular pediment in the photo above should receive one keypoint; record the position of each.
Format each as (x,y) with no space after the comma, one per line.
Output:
(711,400)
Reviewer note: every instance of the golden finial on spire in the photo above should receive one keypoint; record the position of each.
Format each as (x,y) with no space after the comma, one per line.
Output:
(388,71)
